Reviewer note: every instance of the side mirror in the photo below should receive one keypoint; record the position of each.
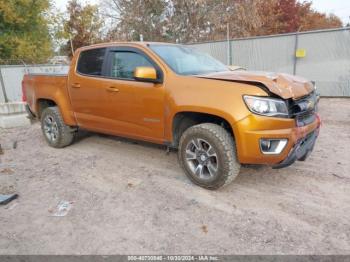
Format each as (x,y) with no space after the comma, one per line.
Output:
(146,74)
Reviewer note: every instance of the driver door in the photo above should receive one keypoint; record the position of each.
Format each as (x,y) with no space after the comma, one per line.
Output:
(133,108)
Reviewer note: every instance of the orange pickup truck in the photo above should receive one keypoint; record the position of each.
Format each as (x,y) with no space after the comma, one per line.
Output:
(174,95)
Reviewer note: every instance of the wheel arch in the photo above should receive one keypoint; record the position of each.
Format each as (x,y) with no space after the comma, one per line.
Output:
(65,109)
(42,104)
(182,120)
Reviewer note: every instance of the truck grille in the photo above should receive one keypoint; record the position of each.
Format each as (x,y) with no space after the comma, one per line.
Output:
(304,109)
(305,119)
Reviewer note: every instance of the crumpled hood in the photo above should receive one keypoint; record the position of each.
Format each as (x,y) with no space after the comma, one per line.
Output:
(284,85)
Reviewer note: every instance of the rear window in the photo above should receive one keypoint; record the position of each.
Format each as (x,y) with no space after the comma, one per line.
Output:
(91,61)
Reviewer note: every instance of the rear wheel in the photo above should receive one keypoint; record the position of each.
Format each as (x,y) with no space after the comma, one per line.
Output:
(56,132)
(207,153)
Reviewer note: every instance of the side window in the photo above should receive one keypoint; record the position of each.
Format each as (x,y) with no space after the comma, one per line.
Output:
(91,61)
(124,64)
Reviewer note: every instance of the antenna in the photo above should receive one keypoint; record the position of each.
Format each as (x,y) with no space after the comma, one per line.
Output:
(71,43)
(26,69)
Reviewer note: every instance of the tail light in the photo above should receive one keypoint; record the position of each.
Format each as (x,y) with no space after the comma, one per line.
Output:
(24,96)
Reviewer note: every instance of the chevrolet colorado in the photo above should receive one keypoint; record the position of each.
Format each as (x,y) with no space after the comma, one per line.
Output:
(174,95)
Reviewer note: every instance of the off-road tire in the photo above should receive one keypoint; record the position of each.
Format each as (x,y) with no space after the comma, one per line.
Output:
(224,145)
(66,134)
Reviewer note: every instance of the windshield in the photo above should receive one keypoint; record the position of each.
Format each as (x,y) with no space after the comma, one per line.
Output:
(188,61)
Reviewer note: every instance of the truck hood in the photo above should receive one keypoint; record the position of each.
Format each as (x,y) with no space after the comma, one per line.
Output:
(283,85)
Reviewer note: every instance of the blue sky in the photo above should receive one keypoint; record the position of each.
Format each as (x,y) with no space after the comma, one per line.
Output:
(339,7)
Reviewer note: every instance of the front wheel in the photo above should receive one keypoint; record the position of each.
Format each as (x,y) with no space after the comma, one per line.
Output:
(207,153)
(56,132)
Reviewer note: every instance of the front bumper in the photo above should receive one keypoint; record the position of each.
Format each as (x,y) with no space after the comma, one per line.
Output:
(301,139)
(300,151)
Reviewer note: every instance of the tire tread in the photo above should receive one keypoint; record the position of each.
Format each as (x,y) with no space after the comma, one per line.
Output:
(227,146)
(67,134)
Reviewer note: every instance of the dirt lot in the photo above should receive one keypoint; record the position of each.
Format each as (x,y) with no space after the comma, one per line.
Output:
(131,198)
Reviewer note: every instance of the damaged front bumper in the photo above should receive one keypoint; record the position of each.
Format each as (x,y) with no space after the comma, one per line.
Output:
(300,135)
(300,151)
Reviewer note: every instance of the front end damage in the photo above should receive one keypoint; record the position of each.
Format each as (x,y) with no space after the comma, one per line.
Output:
(273,140)
(304,111)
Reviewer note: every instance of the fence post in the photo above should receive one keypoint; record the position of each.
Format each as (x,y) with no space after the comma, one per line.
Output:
(295,51)
(231,55)
(3,87)
(228,45)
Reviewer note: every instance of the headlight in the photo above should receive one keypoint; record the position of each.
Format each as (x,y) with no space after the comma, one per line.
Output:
(266,106)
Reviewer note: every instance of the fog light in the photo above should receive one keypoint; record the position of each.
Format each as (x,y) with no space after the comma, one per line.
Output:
(272,146)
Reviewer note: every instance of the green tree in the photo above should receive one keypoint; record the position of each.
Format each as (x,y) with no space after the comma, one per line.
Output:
(83,26)
(24,33)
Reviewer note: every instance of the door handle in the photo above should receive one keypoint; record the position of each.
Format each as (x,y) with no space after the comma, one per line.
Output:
(75,85)
(112,89)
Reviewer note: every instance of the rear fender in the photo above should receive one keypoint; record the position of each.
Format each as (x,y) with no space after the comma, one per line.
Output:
(63,105)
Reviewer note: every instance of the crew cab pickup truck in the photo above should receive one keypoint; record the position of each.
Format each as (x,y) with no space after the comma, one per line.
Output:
(174,95)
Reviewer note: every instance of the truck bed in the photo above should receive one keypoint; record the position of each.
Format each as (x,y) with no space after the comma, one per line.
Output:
(46,86)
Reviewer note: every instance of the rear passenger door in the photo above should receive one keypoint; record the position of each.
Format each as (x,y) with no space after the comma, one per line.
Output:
(87,87)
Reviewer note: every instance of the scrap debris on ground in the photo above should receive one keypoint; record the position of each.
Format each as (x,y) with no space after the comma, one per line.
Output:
(5,199)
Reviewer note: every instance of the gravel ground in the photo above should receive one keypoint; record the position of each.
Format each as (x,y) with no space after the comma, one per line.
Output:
(132,198)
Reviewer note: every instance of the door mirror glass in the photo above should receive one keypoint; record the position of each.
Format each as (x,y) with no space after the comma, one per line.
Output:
(146,74)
